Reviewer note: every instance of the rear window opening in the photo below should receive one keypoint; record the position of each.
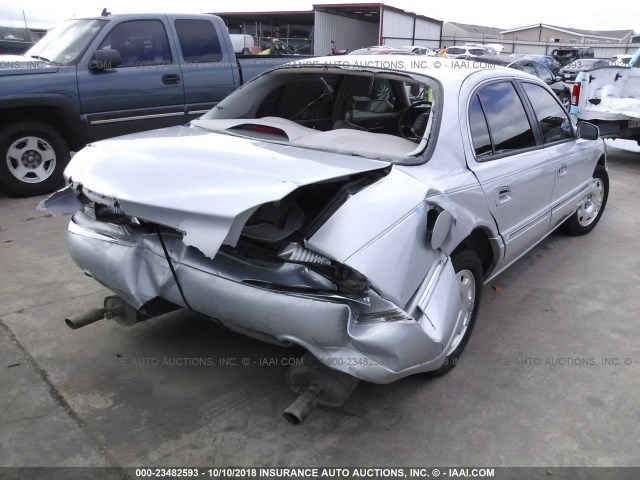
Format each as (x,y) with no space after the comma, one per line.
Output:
(375,114)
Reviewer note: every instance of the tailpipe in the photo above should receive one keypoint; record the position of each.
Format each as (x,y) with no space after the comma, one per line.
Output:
(114,309)
(83,319)
(317,384)
(301,408)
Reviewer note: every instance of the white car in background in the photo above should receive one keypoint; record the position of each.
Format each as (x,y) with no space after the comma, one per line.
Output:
(620,60)
(419,50)
(465,51)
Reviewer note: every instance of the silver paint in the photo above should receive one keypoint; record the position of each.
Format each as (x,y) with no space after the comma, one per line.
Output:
(206,185)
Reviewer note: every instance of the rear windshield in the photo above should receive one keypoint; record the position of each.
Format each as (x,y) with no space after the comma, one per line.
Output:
(378,115)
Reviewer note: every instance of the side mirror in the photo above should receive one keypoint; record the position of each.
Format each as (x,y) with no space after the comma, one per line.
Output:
(105,60)
(588,131)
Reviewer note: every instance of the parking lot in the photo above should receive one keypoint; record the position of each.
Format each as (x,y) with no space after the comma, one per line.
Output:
(550,377)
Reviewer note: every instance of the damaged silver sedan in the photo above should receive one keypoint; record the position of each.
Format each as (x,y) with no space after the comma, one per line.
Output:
(353,209)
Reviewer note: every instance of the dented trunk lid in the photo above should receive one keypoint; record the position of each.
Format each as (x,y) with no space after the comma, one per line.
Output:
(201,183)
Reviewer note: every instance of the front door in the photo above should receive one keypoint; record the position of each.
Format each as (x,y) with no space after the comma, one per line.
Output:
(517,177)
(142,93)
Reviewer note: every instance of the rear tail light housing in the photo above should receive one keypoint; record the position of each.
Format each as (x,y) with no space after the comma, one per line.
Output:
(575,93)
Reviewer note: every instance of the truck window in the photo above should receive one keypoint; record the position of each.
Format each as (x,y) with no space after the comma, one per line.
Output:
(140,43)
(198,41)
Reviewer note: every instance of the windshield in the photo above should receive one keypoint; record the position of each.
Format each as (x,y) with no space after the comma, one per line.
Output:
(376,114)
(66,42)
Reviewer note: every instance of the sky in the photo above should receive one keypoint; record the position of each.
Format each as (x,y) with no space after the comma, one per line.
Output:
(499,13)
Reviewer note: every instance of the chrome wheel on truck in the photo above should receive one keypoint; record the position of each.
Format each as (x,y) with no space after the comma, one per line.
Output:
(32,158)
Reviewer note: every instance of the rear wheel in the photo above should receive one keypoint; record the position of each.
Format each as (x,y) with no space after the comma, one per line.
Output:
(32,158)
(469,276)
(591,205)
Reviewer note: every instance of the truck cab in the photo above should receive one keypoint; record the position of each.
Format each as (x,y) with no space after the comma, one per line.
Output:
(100,77)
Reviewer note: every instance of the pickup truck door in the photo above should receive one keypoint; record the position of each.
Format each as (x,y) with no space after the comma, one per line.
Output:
(142,93)
(208,64)
(517,177)
(573,158)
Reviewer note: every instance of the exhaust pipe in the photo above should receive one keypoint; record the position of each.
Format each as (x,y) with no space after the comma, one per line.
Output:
(301,408)
(114,309)
(84,319)
(316,384)
(117,309)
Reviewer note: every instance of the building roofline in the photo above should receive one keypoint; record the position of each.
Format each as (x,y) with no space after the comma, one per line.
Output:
(283,12)
(563,30)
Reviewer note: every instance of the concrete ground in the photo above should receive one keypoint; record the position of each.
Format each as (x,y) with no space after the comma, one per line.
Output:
(551,376)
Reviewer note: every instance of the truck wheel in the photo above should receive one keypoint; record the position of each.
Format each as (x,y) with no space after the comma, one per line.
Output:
(591,206)
(469,275)
(32,159)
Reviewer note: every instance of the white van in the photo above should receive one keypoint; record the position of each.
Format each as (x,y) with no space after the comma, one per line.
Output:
(242,43)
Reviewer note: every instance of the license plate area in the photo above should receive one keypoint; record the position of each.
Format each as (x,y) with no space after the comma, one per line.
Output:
(634,123)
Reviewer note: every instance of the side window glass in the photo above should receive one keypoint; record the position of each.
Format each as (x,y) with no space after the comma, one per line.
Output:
(527,67)
(553,120)
(506,117)
(297,104)
(544,74)
(479,130)
(140,43)
(365,95)
(199,41)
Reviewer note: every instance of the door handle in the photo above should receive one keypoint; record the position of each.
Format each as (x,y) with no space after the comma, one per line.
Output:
(171,79)
(503,195)
(562,170)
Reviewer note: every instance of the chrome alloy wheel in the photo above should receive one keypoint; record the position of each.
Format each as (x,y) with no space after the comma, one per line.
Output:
(591,204)
(31,159)
(467,287)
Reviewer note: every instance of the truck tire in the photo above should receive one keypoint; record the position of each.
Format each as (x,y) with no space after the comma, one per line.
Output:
(32,159)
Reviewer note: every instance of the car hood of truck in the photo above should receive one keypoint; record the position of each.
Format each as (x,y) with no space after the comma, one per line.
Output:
(21,65)
(202,183)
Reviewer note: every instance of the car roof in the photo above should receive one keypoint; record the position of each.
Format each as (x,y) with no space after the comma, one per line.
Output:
(381,51)
(449,71)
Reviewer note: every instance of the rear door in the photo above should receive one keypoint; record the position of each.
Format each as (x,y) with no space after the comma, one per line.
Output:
(517,176)
(209,72)
(143,92)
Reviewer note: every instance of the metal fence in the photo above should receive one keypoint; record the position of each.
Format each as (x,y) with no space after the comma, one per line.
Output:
(600,50)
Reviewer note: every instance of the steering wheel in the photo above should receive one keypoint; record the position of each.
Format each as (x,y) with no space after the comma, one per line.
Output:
(407,115)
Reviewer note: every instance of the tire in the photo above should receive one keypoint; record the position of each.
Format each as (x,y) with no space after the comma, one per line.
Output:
(566,102)
(32,159)
(591,206)
(469,274)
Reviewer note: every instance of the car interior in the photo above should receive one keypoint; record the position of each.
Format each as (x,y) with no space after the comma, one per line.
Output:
(362,111)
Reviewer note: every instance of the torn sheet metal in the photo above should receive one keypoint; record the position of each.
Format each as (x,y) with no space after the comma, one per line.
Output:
(196,181)
(374,340)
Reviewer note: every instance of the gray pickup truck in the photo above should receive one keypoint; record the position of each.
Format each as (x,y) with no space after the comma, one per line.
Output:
(95,78)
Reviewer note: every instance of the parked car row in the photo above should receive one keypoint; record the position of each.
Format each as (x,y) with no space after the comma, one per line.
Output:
(532,67)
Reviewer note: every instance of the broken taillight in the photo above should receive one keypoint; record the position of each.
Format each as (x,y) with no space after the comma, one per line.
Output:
(575,94)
